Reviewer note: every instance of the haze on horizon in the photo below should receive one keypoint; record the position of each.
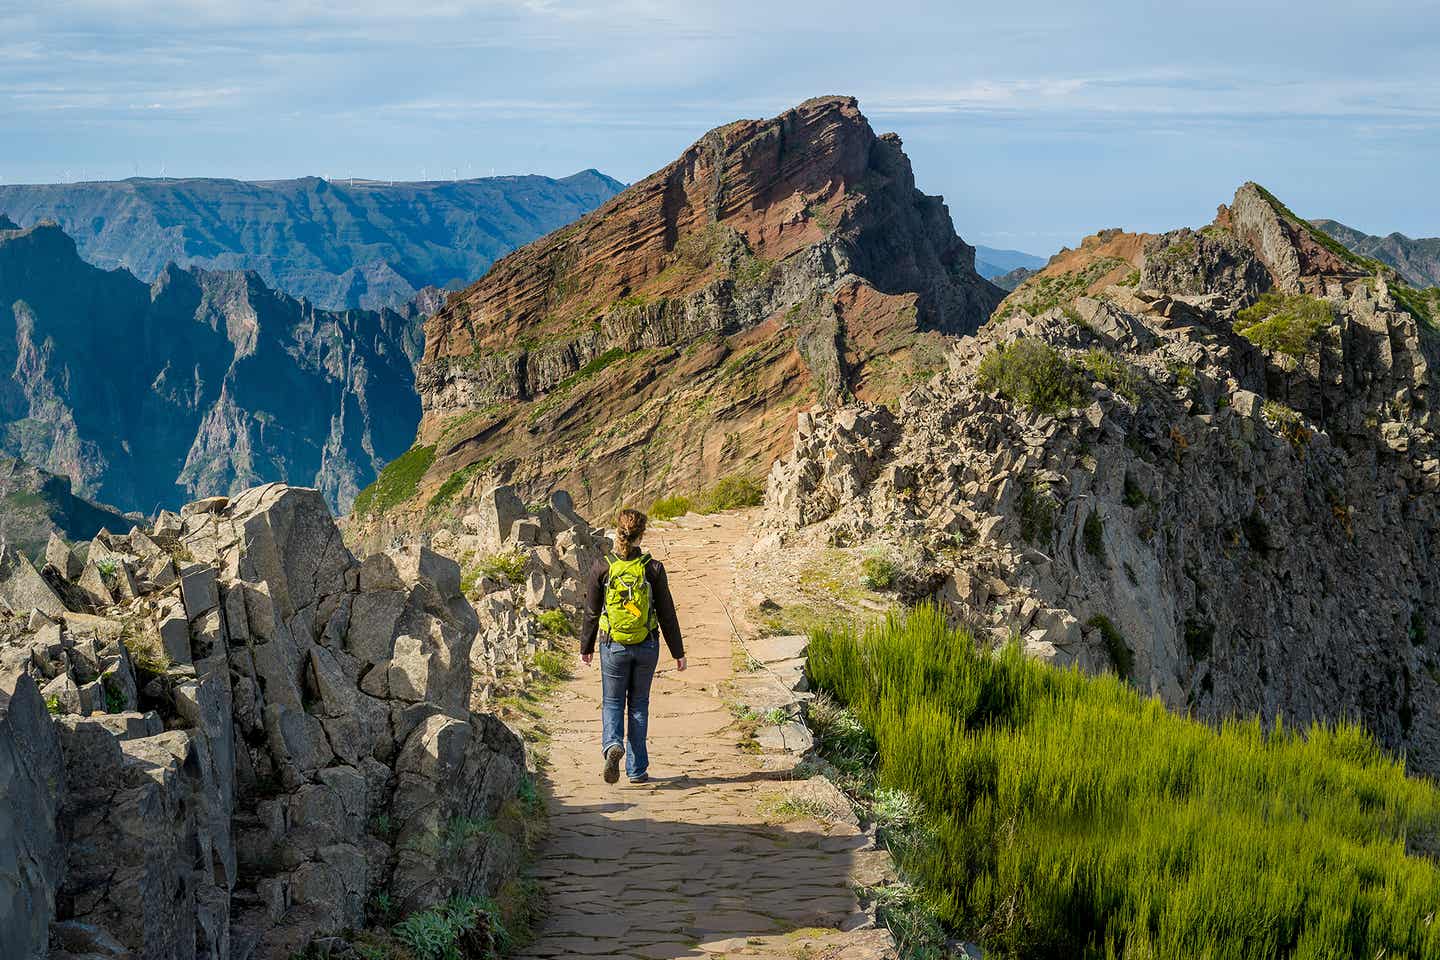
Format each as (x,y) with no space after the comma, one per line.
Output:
(1038,123)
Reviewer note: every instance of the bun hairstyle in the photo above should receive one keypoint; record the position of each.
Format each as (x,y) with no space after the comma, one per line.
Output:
(629,529)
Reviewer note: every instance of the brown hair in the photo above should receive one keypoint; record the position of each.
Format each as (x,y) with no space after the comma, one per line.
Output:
(629,528)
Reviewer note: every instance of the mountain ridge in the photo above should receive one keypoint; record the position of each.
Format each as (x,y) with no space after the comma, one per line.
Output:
(339,244)
(1418,260)
(199,383)
(1214,476)
(655,343)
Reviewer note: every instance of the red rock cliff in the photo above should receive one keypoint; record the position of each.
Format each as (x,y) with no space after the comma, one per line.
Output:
(667,338)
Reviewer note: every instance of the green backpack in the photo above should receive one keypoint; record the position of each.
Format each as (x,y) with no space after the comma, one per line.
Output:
(629,615)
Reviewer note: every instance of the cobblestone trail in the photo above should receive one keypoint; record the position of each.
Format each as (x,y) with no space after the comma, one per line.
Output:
(697,863)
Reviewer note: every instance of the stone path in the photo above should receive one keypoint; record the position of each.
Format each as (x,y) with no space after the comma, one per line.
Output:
(690,865)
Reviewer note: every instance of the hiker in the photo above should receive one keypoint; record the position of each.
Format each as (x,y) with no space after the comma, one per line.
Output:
(629,606)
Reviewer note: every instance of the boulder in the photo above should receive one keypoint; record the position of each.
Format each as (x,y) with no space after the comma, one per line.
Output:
(32,789)
(22,588)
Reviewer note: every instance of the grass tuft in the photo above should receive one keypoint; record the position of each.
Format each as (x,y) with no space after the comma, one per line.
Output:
(509,566)
(1072,816)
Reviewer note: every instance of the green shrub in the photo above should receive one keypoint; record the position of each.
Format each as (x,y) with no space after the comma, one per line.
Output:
(732,493)
(52,704)
(1032,374)
(1094,535)
(1134,497)
(668,508)
(1073,817)
(509,566)
(1120,653)
(1048,290)
(554,622)
(1104,366)
(397,483)
(879,572)
(451,488)
(595,364)
(1199,638)
(1284,323)
(1037,513)
(553,664)
(1423,305)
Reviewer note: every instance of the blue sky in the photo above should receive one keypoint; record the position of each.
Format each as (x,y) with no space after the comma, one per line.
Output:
(1039,122)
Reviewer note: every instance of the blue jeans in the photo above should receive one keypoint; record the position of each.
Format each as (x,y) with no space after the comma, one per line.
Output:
(625,675)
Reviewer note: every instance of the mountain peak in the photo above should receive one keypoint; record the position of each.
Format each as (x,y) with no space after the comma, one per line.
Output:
(775,263)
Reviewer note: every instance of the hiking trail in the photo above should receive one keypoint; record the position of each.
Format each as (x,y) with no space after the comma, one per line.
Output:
(707,859)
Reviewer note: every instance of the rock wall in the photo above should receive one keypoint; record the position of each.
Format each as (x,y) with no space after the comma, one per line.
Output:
(1235,530)
(223,736)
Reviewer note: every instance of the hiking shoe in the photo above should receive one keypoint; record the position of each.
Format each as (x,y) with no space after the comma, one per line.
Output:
(643,778)
(613,756)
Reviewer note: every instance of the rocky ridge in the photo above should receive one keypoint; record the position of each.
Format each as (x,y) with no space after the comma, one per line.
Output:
(1237,528)
(659,342)
(200,383)
(341,244)
(224,736)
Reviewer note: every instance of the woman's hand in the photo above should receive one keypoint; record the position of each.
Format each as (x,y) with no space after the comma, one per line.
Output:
(680,664)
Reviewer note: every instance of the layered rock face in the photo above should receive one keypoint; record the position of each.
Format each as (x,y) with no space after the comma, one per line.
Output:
(1236,529)
(659,342)
(223,736)
(341,244)
(198,384)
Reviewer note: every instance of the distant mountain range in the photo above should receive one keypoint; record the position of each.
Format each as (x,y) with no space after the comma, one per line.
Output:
(202,382)
(1417,260)
(338,244)
(991,263)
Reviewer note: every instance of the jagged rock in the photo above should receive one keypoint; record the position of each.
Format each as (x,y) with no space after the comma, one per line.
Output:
(22,588)
(1239,532)
(92,584)
(32,788)
(59,555)
(218,783)
(716,293)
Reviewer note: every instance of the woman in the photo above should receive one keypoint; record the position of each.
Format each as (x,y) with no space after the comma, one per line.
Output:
(629,606)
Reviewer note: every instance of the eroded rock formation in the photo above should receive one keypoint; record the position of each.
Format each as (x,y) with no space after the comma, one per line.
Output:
(1236,529)
(661,341)
(223,736)
(201,383)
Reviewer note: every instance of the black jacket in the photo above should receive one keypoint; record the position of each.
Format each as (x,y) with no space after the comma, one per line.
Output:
(659,595)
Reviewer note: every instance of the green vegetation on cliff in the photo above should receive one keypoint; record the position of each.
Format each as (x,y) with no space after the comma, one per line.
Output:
(1285,323)
(1033,374)
(397,483)
(1070,816)
(731,492)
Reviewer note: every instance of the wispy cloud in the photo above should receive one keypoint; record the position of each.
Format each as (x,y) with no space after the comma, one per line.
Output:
(995,101)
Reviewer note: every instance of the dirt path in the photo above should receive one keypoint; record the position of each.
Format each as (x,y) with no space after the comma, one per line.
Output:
(703,861)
